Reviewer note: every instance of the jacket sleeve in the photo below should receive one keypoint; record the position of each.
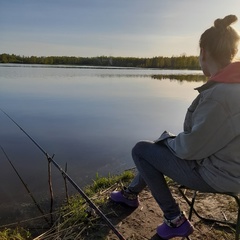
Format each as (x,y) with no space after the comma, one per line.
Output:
(211,131)
(165,135)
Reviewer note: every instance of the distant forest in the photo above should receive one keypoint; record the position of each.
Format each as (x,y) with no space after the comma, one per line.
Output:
(174,62)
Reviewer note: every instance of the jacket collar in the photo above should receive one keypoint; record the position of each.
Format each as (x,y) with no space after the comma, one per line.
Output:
(207,85)
(229,74)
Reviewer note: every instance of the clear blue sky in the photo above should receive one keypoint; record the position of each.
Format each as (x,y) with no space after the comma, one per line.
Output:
(136,28)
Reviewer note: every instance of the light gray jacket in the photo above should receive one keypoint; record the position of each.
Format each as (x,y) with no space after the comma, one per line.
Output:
(211,135)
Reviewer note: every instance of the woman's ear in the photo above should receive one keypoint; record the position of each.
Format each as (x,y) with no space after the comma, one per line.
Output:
(202,54)
(203,60)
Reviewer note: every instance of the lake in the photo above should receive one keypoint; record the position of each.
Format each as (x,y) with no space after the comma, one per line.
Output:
(89,118)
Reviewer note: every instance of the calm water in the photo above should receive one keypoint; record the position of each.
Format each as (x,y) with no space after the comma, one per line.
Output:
(89,118)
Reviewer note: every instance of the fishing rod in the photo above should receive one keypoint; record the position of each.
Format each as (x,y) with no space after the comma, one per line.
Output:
(50,159)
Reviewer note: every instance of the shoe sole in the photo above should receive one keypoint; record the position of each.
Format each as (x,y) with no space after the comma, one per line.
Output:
(190,231)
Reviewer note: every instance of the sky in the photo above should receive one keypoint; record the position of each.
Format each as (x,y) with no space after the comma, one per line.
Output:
(127,28)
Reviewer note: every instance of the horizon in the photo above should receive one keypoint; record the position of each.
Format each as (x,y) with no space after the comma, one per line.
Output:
(91,28)
(23,56)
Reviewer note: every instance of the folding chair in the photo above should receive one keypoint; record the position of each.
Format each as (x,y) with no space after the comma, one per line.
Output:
(192,209)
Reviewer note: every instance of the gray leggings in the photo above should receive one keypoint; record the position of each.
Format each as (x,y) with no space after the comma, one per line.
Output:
(154,161)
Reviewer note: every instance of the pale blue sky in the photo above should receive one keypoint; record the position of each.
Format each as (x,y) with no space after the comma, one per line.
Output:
(129,28)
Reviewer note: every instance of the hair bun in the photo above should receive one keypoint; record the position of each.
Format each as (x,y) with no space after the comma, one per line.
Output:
(225,22)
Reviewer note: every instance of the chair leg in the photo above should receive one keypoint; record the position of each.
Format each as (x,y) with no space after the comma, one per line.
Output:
(190,203)
(192,209)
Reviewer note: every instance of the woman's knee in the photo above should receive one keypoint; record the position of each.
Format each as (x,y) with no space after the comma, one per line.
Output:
(140,148)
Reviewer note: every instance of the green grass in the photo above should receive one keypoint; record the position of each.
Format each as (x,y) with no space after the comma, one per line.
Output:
(104,182)
(76,207)
(15,234)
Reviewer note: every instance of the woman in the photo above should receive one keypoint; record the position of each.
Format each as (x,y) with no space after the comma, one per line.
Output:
(206,155)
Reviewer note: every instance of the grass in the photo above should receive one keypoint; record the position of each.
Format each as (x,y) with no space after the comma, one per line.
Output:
(104,182)
(77,207)
(15,234)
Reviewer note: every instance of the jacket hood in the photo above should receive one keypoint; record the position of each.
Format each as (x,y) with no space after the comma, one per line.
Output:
(229,74)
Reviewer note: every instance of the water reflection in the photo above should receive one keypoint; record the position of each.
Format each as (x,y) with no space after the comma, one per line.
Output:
(176,77)
(183,77)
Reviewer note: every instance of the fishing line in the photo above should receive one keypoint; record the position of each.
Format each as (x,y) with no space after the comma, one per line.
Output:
(64,174)
(25,185)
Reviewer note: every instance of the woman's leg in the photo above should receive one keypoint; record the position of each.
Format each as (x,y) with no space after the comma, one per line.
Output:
(129,195)
(154,161)
(137,184)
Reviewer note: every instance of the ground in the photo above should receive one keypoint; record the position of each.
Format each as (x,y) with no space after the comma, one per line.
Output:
(141,223)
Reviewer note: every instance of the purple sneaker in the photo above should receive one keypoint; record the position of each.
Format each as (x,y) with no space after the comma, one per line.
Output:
(178,227)
(130,199)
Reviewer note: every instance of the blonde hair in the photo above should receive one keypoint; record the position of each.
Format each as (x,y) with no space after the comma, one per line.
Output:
(221,40)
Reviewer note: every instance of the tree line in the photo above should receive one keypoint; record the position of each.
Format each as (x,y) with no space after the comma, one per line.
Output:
(174,62)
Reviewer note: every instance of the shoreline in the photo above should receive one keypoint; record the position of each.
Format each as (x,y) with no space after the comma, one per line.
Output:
(76,220)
